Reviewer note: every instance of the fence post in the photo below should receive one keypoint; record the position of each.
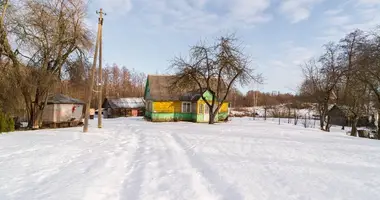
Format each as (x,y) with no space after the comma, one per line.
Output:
(305,121)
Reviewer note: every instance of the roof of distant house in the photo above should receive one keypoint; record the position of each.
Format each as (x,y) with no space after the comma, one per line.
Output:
(114,103)
(63,99)
(162,89)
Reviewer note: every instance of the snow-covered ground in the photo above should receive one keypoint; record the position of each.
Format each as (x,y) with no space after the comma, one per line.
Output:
(260,110)
(243,159)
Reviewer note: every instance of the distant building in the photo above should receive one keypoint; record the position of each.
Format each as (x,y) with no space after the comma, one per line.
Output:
(62,110)
(341,116)
(164,104)
(123,107)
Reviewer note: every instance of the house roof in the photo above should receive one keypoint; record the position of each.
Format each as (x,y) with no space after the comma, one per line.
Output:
(161,89)
(345,110)
(63,99)
(114,103)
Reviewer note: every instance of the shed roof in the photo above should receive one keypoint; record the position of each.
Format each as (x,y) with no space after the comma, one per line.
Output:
(136,102)
(63,99)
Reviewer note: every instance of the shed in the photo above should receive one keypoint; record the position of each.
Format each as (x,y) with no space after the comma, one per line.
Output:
(340,115)
(61,109)
(123,107)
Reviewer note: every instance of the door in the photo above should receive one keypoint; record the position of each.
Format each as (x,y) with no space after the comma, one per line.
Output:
(206,114)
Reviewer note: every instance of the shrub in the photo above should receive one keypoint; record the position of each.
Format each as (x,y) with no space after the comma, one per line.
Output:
(7,123)
(11,124)
(3,123)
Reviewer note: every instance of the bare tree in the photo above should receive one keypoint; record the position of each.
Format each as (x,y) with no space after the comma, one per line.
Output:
(216,68)
(47,33)
(321,77)
(368,70)
(349,46)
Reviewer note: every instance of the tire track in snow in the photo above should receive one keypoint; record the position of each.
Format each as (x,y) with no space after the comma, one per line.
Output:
(109,183)
(226,190)
(131,185)
(184,172)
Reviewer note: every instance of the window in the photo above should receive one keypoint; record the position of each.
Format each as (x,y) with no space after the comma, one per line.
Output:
(201,108)
(186,107)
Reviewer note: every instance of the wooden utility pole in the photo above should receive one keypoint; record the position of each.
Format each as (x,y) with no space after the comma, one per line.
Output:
(91,83)
(100,84)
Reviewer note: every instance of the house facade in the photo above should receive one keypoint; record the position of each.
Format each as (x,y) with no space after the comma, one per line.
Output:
(163,104)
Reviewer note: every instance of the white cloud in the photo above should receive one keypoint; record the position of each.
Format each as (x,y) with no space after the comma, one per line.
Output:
(211,15)
(333,12)
(339,20)
(298,10)
(369,2)
(360,14)
(284,64)
(250,11)
(114,6)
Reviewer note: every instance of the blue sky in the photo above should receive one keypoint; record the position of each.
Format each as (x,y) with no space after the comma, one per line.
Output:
(278,34)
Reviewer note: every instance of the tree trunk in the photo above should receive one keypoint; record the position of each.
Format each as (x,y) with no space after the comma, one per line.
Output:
(378,124)
(322,121)
(354,129)
(34,118)
(212,118)
(37,107)
(265,114)
(328,124)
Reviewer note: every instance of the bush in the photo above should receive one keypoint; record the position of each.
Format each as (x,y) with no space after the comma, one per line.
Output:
(11,124)
(3,124)
(7,123)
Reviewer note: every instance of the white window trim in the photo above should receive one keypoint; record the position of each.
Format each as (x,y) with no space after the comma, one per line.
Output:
(182,107)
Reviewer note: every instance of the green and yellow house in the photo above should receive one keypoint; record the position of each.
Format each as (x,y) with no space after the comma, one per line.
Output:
(164,104)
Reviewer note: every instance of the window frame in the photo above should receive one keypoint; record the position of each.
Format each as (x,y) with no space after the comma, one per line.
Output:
(201,108)
(186,107)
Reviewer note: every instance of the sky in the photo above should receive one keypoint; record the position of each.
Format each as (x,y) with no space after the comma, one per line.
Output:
(278,35)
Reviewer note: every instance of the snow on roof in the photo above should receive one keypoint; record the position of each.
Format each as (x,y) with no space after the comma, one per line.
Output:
(63,99)
(136,102)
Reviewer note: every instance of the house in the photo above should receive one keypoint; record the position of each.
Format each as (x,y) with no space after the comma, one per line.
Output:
(341,116)
(166,104)
(62,110)
(123,107)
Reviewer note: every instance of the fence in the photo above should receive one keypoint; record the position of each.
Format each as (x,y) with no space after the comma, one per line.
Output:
(306,121)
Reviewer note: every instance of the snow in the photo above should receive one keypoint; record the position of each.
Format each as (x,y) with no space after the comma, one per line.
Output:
(260,110)
(242,159)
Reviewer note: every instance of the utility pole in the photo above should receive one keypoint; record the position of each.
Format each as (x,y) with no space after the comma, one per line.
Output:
(91,84)
(100,86)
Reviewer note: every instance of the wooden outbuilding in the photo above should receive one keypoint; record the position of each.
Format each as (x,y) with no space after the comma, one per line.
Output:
(340,115)
(62,111)
(123,107)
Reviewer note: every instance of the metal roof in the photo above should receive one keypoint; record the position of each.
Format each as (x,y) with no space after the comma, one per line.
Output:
(125,102)
(63,99)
